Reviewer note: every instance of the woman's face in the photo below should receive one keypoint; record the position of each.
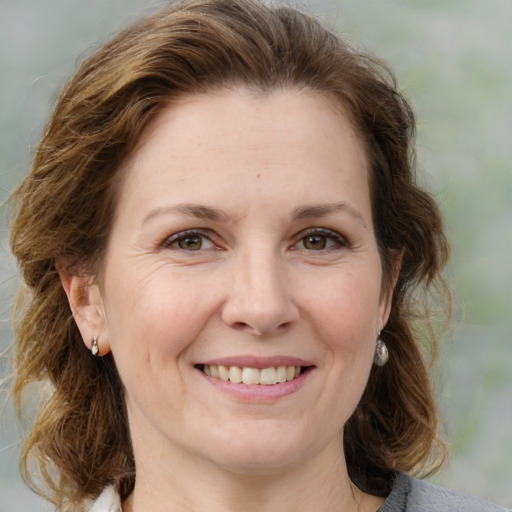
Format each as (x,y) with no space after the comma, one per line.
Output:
(242,248)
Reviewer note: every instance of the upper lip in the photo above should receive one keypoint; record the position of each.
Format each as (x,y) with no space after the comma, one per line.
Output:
(248,361)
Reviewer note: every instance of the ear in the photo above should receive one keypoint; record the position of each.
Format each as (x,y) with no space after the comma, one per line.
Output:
(387,295)
(86,304)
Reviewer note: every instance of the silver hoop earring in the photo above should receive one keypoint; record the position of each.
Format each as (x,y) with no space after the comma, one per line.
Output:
(381,356)
(95,349)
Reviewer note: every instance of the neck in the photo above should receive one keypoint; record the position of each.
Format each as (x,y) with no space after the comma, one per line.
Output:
(181,483)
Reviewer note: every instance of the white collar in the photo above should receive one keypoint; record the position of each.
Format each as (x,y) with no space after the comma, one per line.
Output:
(107,501)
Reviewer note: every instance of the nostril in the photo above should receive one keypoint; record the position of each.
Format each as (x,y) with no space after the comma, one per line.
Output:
(239,326)
(260,330)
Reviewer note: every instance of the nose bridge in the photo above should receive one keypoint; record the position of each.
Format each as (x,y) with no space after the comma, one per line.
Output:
(259,300)
(261,277)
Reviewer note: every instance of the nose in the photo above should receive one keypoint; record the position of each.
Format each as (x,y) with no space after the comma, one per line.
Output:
(259,299)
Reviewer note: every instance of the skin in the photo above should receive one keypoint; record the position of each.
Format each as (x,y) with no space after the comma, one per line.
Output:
(281,263)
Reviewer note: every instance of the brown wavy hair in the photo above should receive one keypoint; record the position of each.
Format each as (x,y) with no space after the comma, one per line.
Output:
(63,212)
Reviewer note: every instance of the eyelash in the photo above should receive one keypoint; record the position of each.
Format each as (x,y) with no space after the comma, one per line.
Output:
(311,232)
(182,235)
(327,233)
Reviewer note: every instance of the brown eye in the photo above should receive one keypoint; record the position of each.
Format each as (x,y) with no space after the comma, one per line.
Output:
(321,240)
(315,242)
(190,243)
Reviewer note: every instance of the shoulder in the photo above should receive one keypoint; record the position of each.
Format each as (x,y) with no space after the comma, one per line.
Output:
(409,494)
(107,501)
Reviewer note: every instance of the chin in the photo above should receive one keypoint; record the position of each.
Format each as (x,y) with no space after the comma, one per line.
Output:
(257,463)
(262,451)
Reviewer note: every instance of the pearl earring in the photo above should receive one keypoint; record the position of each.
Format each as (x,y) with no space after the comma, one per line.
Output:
(95,349)
(381,356)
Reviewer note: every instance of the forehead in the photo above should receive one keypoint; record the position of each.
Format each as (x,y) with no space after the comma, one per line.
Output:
(233,116)
(234,140)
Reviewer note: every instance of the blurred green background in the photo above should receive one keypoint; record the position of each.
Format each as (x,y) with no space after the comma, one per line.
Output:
(453,59)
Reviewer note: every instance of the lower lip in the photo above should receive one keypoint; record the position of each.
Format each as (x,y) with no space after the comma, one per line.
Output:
(259,392)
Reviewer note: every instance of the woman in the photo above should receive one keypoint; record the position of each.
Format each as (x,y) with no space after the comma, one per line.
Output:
(223,243)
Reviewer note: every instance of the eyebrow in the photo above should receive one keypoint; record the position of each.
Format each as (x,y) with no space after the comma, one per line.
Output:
(322,210)
(192,210)
(199,211)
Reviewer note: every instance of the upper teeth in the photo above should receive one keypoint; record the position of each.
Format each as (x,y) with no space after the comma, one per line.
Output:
(266,376)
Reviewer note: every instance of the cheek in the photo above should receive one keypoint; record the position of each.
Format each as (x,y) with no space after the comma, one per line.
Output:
(156,318)
(345,316)
(347,310)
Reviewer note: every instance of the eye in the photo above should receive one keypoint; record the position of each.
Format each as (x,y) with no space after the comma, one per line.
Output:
(189,241)
(321,239)
(315,242)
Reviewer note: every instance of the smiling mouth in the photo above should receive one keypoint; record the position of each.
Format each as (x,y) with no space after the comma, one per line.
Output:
(253,376)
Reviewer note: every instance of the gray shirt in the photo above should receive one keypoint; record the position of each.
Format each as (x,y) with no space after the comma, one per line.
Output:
(407,495)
